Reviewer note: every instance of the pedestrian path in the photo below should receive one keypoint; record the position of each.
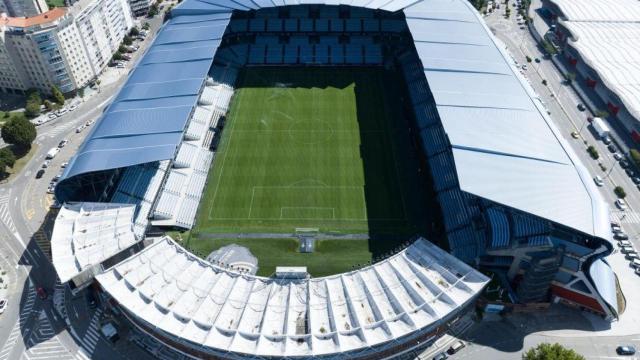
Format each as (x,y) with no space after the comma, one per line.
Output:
(91,336)
(5,216)
(626,217)
(17,330)
(43,343)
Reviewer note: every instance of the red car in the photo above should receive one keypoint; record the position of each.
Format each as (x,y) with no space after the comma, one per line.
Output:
(42,293)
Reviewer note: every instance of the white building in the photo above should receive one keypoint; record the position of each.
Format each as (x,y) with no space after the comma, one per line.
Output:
(140,7)
(65,47)
(102,25)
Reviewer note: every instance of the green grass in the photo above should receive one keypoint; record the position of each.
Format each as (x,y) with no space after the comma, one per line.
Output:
(330,256)
(309,148)
(55,3)
(322,148)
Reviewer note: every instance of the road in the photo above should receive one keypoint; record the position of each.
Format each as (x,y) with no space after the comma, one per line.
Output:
(34,328)
(567,326)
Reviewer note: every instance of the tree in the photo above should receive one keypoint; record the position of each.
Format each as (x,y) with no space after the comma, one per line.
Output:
(570,77)
(602,114)
(7,157)
(127,40)
(134,31)
(48,105)
(146,26)
(544,82)
(546,351)
(32,108)
(57,95)
(19,132)
(619,191)
(635,156)
(81,92)
(153,10)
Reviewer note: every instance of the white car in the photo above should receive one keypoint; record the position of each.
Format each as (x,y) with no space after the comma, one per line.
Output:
(621,204)
(52,116)
(62,111)
(617,156)
(120,66)
(3,305)
(598,180)
(73,107)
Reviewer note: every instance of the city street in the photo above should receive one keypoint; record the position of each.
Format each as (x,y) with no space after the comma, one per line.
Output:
(31,327)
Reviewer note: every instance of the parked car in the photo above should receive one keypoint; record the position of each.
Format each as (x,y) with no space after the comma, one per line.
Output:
(52,116)
(620,235)
(621,204)
(581,107)
(624,163)
(627,249)
(62,111)
(46,163)
(62,143)
(91,300)
(56,205)
(615,227)
(120,66)
(612,148)
(625,350)
(629,172)
(64,165)
(637,271)
(3,305)
(457,346)
(617,156)
(575,135)
(623,243)
(632,256)
(73,107)
(79,129)
(39,173)
(636,180)
(440,356)
(598,180)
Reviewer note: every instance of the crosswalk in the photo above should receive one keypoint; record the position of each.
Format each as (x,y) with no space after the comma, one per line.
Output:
(91,337)
(16,331)
(43,343)
(5,216)
(626,217)
(43,242)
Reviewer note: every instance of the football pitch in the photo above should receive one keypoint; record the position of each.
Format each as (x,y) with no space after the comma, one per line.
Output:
(313,148)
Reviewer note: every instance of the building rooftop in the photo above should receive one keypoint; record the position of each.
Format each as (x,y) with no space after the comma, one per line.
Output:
(41,19)
(86,234)
(224,310)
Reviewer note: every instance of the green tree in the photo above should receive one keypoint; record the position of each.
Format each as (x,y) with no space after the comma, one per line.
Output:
(134,31)
(117,56)
(32,108)
(122,49)
(48,105)
(619,191)
(570,77)
(635,156)
(602,114)
(57,95)
(146,26)
(127,40)
(7,157)
(153,10)
(546,351)
(81,92)
(19,132)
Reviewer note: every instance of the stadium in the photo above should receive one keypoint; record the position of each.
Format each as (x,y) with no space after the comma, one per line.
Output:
(394,135)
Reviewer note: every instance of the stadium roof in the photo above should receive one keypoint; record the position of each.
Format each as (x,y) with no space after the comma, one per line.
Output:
(86,234)
(599,10)
(611,50)
(505,147)
(223,310)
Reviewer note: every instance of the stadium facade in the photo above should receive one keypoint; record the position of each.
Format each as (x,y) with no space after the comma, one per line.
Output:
(514,197)
(599,40)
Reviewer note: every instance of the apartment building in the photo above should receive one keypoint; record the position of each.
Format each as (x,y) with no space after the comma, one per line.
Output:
(65,47)
(140,7)
(102,25)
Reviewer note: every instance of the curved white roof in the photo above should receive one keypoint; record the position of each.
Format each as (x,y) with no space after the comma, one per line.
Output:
(189,298)
(599,10)
(85,234)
